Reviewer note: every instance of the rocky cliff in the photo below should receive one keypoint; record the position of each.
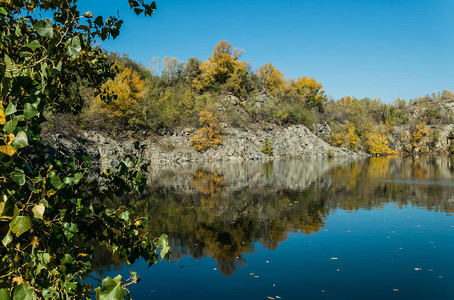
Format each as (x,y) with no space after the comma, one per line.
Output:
(174,147)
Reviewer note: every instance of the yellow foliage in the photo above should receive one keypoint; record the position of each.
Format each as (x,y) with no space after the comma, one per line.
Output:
(346,138)
(209,136)
(220,66)
(272,78)
(377,143)
(417,134)
(310,91)
(128,88)
(2,114)
(447,95)
(346,100)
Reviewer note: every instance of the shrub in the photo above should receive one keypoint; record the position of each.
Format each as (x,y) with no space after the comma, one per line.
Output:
(267,147)
(377,143)
(209,136)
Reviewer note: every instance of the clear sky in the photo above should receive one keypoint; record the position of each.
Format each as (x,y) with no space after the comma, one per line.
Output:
(364,48)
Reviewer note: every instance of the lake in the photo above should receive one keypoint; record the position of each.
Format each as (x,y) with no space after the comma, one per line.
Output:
(378,228)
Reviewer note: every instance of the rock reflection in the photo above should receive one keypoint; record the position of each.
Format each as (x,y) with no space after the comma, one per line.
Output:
(222,210)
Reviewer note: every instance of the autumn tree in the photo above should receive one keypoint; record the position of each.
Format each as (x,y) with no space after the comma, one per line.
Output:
(310,91)
(221,66)
(417,133)
(124,108)
(209,136)
(377,143)
(272,79)
(345,137)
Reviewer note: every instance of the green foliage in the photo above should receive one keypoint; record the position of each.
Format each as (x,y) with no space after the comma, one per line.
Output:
(267,147)
(52,217)
(330,153)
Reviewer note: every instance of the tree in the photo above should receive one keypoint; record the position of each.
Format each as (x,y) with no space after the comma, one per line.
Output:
(220,66)
(310,92)
(172,69)
(377,143)
(272,78)
(209,136)
(128,89)
(417,133)
(48,219)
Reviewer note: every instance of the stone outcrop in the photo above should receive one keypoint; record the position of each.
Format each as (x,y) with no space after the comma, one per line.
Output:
(174,147)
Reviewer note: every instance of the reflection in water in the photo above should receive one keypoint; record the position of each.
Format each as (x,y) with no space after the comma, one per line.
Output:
(221,211)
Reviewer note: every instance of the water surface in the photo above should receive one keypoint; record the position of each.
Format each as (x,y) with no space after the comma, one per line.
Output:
(380,228)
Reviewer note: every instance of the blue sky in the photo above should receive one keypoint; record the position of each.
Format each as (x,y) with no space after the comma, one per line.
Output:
(387,49)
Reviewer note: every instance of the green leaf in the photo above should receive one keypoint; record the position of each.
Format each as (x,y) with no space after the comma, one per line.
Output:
(44,28)
(124,216)
(6,240)
(8,62)
(18,176)
(56,69)
(11,109)
(68,180)
(163,241)
(30,111)
(38,211)
(78,177)
(164,251)
(111,289)
(20,224)
(3,11)
(128,162)
(24,292)
(10,210)
(74,47)
(98,21)
(55,180)
(4,293)
(10,125)
(20,141)
(33,45)
(69,230)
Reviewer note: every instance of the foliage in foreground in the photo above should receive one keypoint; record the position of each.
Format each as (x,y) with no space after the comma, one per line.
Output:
(52,216)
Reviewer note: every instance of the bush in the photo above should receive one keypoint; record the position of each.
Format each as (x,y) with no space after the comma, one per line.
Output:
(209,136)
(267,147)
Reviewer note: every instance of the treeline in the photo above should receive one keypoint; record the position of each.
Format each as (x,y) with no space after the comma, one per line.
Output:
(223,89)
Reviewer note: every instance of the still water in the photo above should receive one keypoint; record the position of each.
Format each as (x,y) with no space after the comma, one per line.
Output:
(379,228)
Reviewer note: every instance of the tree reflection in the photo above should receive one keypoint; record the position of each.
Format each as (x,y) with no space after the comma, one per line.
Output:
(222,213)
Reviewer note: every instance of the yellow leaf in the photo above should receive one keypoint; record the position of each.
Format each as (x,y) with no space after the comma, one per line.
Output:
(2,117)
(51,193)
(18,280)
(9,139)
(8,150)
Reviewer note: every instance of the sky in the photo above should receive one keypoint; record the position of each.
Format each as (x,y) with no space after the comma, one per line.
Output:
(384,49)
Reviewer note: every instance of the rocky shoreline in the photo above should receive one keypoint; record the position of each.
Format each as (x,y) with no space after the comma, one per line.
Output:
(174,147)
